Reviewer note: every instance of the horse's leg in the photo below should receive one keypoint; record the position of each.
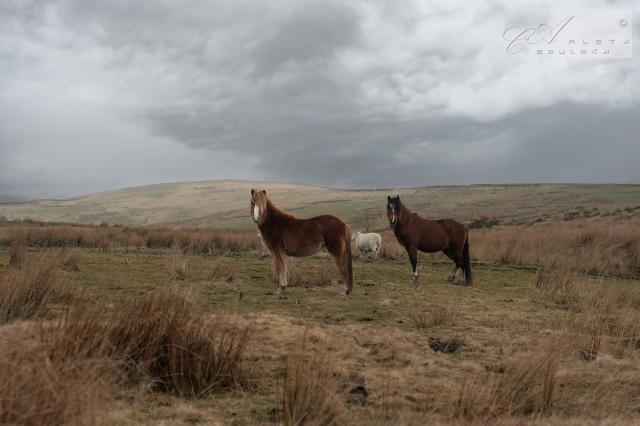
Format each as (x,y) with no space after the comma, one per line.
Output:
(456,256)
(341,261)
(454,271)
(459,278)
(413,258)
(340,251)
(281,270)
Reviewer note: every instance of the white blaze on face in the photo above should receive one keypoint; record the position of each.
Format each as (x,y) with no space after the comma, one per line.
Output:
(393,214)
(256,213)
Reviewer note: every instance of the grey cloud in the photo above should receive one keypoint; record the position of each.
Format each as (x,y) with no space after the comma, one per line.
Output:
(309,36)
(556,144)
(336,93)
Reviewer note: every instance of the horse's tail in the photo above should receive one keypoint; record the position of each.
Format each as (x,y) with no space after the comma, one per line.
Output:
(348,262)
(466,259)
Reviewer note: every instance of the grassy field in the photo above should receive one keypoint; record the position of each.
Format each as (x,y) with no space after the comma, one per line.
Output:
(129,325)
(223,204)
(384,335)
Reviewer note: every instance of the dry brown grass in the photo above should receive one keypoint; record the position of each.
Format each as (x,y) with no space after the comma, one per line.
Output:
(594,246)
(608,245)
(589,329)
(438,315)
(309,392)
(626,335)
(165,341)
(605,312)
(17,251)
(38,390)
(560,288)
(190,240)
(178,267)
(608,321)
(525,386)
(162,336)
(69,259)
(391,249)
(27,293)
(63,371)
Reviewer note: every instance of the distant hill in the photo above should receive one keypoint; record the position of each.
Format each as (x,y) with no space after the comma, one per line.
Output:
(5,198)
(225,204)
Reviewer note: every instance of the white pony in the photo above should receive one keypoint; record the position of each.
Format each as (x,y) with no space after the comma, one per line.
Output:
(367,243)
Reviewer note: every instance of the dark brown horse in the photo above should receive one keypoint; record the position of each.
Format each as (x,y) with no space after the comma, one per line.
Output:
(283,234)
(415,233)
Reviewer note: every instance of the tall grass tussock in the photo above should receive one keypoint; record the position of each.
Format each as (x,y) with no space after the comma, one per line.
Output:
(526,387)
(17,251)
(27,293)
(164,337)
(605,312)
(609,246)
(66,370)
(37,389)
(309,392)
(190,240)
(437,315)
(603,246)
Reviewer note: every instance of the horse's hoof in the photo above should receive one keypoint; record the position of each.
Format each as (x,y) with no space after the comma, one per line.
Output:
(280,290)
(347,292)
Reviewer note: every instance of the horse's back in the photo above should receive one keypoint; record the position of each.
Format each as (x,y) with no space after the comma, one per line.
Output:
(452,226)
(334,231)
(456,231)
(330,223)
(431,235)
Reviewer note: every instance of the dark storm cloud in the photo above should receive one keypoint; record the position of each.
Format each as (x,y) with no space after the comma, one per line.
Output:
(328,92)
(555,144)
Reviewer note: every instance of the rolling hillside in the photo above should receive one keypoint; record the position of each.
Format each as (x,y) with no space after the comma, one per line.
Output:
(224,204)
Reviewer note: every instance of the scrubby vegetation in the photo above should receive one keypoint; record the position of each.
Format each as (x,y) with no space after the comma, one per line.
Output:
(193,241)
(162,336)
(610,246)
(27,293)
(309,391)
(143,325)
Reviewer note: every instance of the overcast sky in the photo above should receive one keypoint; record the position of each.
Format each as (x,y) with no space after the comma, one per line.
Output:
(97,95)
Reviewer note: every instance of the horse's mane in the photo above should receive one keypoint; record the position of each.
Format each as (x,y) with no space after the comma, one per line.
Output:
(407,212)
(276,211)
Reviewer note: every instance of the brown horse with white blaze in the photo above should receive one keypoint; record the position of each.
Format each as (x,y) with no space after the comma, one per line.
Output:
(285,235)
(446,235)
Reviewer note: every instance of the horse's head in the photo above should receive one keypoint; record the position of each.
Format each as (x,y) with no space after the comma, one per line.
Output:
(355,235)
(259,206)
(394,209)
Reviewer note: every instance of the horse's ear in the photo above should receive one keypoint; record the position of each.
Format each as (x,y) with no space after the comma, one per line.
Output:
(253,191)
(389,198)
(264,192)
